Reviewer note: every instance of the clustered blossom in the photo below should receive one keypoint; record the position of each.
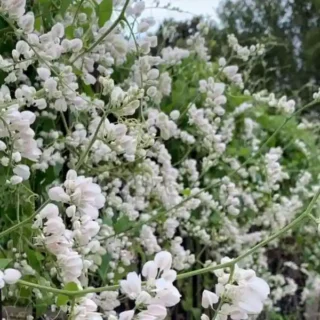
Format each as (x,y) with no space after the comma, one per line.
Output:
(240,291)
(244,53)
(9,276)
(141,162)
(157,294)
(243,291)
(85,199)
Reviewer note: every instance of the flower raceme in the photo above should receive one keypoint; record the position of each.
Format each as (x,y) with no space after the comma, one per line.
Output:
(157,292)
(241,292)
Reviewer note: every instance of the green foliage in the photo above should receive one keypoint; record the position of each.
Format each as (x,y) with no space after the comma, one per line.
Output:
(292,30)
(103,269)
(64,5)
(4,263)
(104,11)
(62,299)
(71,286)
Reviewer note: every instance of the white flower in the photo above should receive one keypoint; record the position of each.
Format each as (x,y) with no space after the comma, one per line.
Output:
(76,45)
(157,311)
(15,180)
(130,108)
(71,266)
(3,146)
(169,275)
(166,294)
(22,47)
(22,171)
(58,194)
(126,315)
(246,293)
(84,194)
(54,226)
(44,73)
(204,317)
(150,270)
(138,8)
(26,22)
(86,309)
(11,276)
(234,312)
(132,286)
(49,211)
(143,298)
(209,299)
(251,294)
(2,283)
(58,30)
(174,115)
(163,260)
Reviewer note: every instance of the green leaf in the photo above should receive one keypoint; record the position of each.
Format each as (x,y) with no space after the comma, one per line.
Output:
(186,192)
(236,100)
(62,300)
(107,220)
(41,308)
(121,225)
(196,313)
(87,89)
(64,5)
(104,266)
(38,23)
(35,259)
(69,32)
(71,286)
(4,263)
(46,13)
(104,11)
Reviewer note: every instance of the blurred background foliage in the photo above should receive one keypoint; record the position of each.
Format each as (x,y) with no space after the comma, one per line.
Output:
(289,28)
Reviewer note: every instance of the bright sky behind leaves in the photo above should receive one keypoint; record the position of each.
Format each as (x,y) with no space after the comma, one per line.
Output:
(196,7)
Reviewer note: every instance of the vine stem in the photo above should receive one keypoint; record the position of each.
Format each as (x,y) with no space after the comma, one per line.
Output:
(24,222)
(94,138)
(222,298)
(229,264)
(112,27)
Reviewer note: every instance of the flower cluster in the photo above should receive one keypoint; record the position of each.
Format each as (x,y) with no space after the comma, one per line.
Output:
(9,276)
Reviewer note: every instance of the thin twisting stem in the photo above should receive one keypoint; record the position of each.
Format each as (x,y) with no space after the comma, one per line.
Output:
(229,264)
(222,298)
(113,26)
(24,222)
(92,141)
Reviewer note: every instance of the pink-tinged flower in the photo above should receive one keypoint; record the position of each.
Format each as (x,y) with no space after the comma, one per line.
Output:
(11,276)
(150,270)
(58,194)
(132,286)
(209,299)
(163,260)
(126,315)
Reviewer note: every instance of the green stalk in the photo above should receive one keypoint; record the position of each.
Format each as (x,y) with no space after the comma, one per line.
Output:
(113,26)
(229,264)
(24,222)
(92,141)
